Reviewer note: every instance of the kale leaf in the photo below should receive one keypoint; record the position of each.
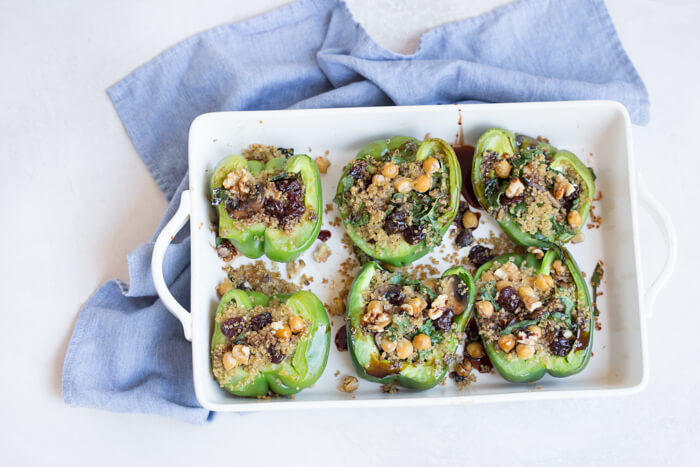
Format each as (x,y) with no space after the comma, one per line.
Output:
(429,330)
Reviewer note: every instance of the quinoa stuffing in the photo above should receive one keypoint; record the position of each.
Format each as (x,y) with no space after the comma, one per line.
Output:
(536,192)
(256,337)
(399,198)
(542,200)
(256,276)
(409,321)
(268,335)
(271,196)
(526,314)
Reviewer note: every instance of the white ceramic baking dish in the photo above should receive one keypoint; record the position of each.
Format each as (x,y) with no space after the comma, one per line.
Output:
(599,132)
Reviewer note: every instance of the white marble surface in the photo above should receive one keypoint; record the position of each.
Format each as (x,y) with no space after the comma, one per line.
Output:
(76,199)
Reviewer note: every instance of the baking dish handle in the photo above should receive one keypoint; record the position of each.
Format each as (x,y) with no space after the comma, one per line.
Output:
(166,236)
(663,221)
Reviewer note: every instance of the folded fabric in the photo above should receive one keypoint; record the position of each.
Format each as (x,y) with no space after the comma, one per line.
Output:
(127,352)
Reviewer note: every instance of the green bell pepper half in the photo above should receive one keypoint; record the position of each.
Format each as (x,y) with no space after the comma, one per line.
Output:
(502,141)
(295,372)
(364,354)
(404,253)
(525,371)
(257,239)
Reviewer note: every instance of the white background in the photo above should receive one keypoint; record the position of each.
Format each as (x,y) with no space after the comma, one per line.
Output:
(76,199)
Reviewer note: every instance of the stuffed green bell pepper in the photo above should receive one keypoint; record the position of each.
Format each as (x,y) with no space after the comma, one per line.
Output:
(398,197)
(403,330)
(263,344)
(534,315)
(268,201)
(538,194)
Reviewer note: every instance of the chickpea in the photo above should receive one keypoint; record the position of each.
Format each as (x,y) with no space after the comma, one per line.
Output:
(284,333)
(388,345)
(296,324)
(421,342)
(378,179)
(431,165)
(484,308)
(544,282)
(475,350)
(469,220)
(241,353)
(507,342)
(535,331)
(390,170)
(500,285)
(574,219)
(416,304)
(503,169)
(404,349)
(525,351)
(228,361)
(403,185)
(422,183)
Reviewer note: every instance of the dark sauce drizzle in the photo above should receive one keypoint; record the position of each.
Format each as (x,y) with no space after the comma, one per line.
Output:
(341,339)
(465,155)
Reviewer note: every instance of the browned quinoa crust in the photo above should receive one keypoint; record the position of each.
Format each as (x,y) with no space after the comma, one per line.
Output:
(256,276)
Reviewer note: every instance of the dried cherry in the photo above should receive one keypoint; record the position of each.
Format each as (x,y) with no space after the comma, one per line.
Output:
(258,322)
(232,326)
(508,299)
(480,255)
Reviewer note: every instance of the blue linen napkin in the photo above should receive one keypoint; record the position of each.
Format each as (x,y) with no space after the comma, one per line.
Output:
(127,352)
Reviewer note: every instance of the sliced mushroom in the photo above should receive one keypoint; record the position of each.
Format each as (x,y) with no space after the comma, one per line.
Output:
(246,205)
(457,293)
(392,293)
(555,202)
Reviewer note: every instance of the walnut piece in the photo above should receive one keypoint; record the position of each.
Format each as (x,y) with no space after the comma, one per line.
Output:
(322,253)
